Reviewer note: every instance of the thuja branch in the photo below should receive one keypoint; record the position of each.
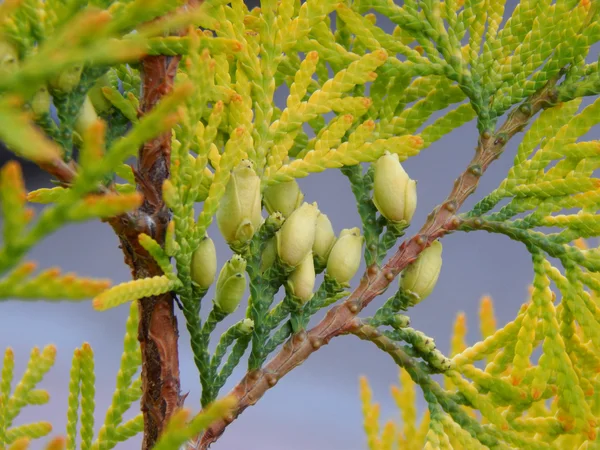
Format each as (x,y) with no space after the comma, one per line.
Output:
(433,393)
(340,319)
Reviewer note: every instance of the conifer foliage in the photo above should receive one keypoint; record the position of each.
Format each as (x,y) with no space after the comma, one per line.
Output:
(188,88)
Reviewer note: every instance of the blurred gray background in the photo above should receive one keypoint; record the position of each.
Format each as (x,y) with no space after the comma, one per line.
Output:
(316,406)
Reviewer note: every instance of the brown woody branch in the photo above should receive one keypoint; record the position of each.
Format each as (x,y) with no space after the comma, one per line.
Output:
(158,331)
(341,318)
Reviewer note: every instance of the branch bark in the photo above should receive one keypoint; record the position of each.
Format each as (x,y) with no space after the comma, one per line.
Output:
(158,332)
(340,319)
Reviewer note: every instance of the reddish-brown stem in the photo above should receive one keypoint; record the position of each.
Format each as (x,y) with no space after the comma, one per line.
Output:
(158,333)
(340,319)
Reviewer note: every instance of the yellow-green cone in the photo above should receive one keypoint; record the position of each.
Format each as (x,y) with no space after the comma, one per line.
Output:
(67,80)
(40,102)
(239,213)
(86,117)
(247,326)
(204,263)
(346,254)
(394,193)
(100,102)
(420,277)
(231,284)
(296,237)
(324,239)
(269,254)
(283,197)
(9,59)
(301,282)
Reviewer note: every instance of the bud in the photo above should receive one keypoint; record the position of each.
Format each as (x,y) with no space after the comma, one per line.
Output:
(324,239)
(269,255)
(231,285)
(297,235)
(400,321)
(68,80)
(283,197)
(274,222)
(301,282)
(345,255)
(9,59)
(40,102)
(420,277)
(394,193)
(239,213)
(247,326)
(86,117)
(100,102)
(204,263)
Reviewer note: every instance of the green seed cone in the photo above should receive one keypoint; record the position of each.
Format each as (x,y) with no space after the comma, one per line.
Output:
(269,255)
(421,276)
(346,254)
(296,237)
(9,59)
(247,326)
(100,102)
(40,102)
(302,280)
(204,263)
(394,193)
(239,213)
(283,197)
(86,117)
(231,285)
(67,80)
(324,239)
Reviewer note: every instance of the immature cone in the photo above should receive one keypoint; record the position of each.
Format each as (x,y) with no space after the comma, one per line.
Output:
(394,193)
(283,197)
(269,255)
(302,280)
(9,60)
(100,102)
(231,285)
(86,117)
(324,239)
(204,263)
(239,213)
(247,326)
(40,102)
(420,277)
(68,80)
(345,255)
(296,237)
